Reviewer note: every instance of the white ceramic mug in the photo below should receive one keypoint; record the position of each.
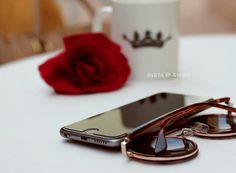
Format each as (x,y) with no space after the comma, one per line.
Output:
(148,32)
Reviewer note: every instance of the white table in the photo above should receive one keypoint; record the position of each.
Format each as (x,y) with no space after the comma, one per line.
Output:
(31,114)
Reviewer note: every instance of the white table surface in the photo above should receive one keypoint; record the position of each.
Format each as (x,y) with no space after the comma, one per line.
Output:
(31,114)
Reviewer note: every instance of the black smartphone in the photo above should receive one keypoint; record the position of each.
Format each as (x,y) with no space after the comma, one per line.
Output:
(110,128)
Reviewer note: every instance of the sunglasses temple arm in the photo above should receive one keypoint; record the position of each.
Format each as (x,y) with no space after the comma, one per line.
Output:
(155,124)
(161,143)
(226,100)
(197,106)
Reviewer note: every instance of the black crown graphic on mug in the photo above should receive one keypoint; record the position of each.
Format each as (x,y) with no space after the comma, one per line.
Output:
(147,41)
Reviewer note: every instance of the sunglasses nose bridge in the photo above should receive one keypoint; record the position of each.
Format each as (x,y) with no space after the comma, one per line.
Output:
(186,132)
(200,127)
(196,128)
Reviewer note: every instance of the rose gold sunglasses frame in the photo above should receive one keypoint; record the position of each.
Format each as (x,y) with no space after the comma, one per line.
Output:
(167,119)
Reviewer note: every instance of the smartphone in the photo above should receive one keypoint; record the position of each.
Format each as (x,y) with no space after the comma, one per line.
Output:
(110,128)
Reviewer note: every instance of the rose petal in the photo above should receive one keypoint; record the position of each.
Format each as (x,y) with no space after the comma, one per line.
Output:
(54,75)
(116,74)
(83,73)
(91,63)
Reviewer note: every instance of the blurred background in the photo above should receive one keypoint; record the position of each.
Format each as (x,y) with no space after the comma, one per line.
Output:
(29,27)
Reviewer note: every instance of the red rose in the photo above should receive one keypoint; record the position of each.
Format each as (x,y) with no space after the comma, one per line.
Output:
(90,63)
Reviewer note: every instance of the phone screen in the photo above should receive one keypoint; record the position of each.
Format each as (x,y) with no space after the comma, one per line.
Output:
(119,121)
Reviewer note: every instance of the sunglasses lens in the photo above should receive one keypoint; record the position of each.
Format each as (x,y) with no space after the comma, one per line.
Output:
(219,125)
(177,149)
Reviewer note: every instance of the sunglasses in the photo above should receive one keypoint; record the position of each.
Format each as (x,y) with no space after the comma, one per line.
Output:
(150,141)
